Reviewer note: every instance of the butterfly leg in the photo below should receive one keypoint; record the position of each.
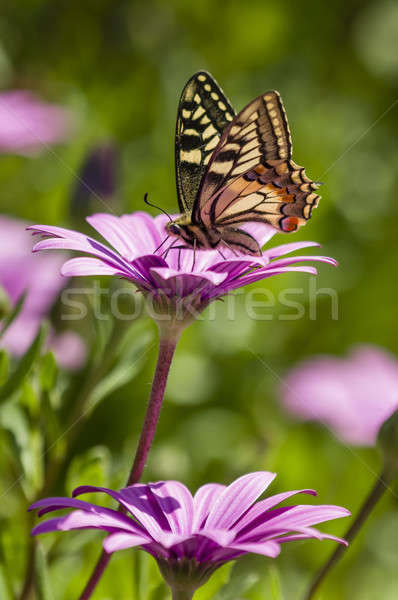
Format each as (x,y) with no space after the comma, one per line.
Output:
(194,255)
(161,244)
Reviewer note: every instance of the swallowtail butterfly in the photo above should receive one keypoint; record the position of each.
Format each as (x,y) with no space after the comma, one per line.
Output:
(233,169)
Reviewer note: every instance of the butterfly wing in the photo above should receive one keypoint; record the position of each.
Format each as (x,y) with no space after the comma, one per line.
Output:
(203,114)
(251,176)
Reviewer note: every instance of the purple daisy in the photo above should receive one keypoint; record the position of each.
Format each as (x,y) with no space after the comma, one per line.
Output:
(171,278)
(21,272)
(28,124)
(191,536)
(353,396)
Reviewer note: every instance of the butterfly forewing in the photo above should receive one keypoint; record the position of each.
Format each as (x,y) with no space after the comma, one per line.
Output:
(203,114)
(259,133)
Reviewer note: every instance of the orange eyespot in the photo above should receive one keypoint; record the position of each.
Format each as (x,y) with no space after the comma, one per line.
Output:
(289,224)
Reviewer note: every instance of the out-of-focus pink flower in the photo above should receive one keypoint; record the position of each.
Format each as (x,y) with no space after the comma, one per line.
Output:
(194,534)
(69,349)
(21,271)
(28,125)
(353,395)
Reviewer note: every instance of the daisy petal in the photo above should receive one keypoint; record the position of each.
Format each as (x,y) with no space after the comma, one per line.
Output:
(122,540)
(237,498)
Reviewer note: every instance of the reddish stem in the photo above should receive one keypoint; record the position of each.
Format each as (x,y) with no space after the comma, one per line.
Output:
(167,346)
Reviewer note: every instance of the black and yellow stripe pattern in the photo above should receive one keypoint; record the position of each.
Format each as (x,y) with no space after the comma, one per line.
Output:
(203,114)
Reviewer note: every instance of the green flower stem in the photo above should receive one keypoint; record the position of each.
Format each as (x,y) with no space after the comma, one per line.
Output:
(167,344)
(378,490)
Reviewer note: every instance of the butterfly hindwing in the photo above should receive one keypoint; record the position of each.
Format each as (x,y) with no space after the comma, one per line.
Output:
(203,114)
(281,195)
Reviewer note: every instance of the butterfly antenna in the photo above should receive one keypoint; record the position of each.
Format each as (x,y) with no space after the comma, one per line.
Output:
(157,207)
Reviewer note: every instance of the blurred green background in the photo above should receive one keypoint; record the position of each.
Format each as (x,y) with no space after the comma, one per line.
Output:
(120,67)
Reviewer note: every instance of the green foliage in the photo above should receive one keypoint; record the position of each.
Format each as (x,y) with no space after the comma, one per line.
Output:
(24,365)
(12,315)
(43,578)
(48,372)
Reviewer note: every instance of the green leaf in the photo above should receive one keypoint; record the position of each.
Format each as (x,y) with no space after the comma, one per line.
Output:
(275,583)
(4,303)
(240,580)
(123,372)
(6,592)
(44,591)
(29,398)
(4,366)
(13,314)
(93,466)
(25,364)
(48,372)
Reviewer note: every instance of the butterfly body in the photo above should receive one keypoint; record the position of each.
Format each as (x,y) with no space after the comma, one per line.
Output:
(233,170)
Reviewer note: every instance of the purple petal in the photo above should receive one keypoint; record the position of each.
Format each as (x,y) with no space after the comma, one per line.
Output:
(176,502)
(122,540)
(287,248)
(174,283)
(81,519)
(268,548)
(311,534)
(139,501)
(203,501)
(258,275)
(262,232)
(65,239)
(283,262)
(237,266)
(291,518)
(259,509)
(237,498)
(47,505)
(86,266)
(131,236)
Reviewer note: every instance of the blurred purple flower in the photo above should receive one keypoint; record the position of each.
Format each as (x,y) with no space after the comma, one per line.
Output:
(353,395)
(22,271)
(97,179)
(168,274)
(28,124)
(195,534)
